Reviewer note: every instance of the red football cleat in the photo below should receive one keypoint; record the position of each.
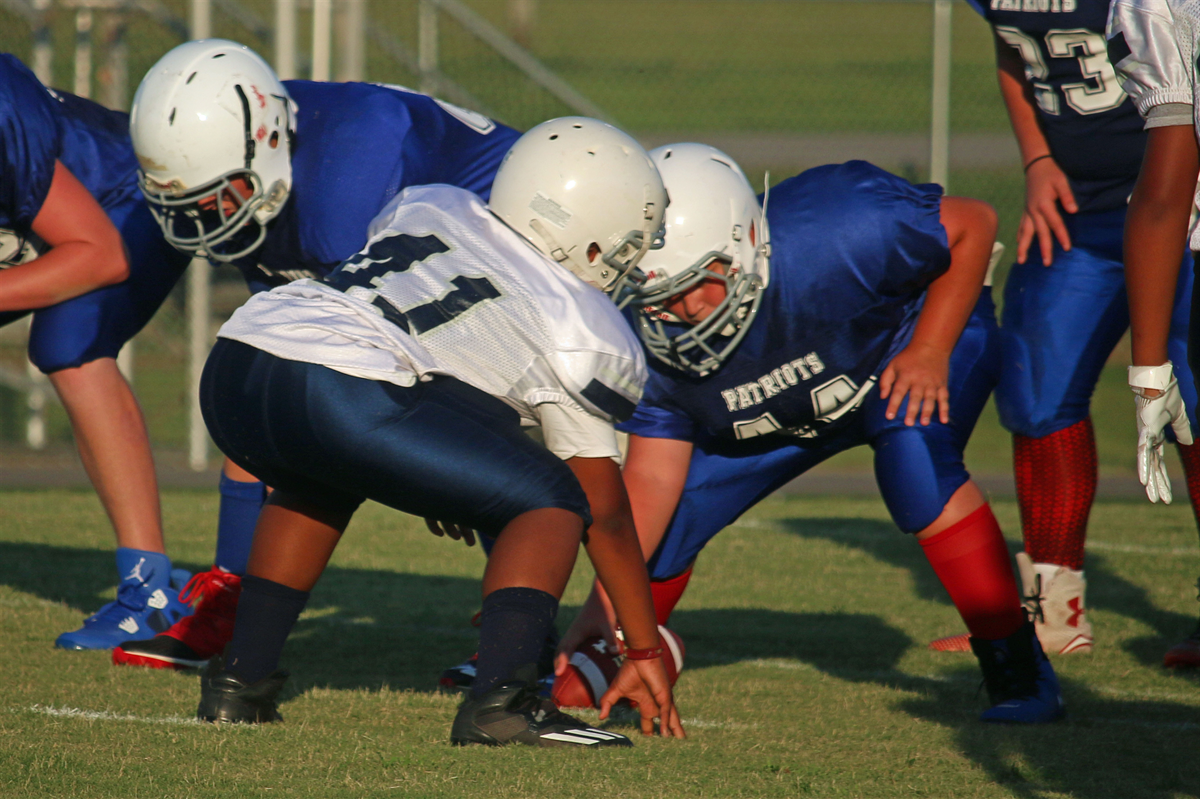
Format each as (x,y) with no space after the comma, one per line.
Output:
(953,643)
(190,642)
(1184,655)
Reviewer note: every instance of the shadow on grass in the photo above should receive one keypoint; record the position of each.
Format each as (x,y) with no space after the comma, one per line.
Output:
(362,628)
(1107,747)
(1107,590)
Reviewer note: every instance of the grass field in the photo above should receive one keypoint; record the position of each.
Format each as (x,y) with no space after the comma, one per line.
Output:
(806,672)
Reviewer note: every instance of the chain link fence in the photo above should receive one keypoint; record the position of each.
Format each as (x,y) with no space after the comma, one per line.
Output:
(782,85)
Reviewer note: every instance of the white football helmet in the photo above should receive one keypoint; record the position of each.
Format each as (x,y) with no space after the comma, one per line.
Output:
(714,216)
(209,112)
(585,194)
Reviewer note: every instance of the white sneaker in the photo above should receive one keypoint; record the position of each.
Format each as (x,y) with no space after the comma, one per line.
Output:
(1053,595)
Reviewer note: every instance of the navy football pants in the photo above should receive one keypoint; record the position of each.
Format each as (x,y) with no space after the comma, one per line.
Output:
(1061,322)
(440,449)
(918,468)
(97,324)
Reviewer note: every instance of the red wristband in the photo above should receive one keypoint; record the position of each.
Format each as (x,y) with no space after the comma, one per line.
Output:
(643,654)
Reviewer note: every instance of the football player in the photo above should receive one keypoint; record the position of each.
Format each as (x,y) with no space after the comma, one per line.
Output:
(405,376)
(79,250)
(849,313)
(1153,45)
(1065,308)
(301,169)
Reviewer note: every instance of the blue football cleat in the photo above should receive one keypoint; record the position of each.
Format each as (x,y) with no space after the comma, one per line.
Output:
(1020,681)
(139,612)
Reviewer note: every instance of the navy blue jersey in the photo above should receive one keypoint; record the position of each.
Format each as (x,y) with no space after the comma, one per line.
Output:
(37,127)
(357,146)
(1093,128)
(853,249)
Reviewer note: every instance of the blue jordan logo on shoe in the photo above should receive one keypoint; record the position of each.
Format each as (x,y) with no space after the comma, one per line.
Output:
(147,603)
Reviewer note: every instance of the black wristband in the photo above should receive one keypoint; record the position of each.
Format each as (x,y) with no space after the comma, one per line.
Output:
(1034,161)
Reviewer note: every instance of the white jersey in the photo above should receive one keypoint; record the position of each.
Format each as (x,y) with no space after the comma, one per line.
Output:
(1153,45)
(443,287)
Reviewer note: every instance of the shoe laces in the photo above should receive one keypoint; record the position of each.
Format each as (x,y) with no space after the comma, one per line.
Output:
(205,584)
(131,598)
(1033,602)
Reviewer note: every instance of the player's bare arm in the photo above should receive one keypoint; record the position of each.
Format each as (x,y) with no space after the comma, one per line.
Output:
(1155,235)
(1046,186)
(922,369)
(655,472)
(86,251)
(613,547)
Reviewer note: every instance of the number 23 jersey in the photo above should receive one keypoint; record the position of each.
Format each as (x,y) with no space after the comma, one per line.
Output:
(1093,130)
(443,287)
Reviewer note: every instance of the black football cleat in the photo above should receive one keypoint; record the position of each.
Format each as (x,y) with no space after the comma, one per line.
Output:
(226,699)
(514,713)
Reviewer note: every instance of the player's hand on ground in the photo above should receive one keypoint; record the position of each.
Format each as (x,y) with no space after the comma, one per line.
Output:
(455,531)
(1157,408)
(1046,192)
(592,620)
(645,682)
(921,373)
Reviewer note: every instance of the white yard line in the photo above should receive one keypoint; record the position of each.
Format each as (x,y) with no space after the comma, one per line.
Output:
(104,715)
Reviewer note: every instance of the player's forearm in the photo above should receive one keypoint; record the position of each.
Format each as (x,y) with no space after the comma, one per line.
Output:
(655,473)
(970,231)
(621,570)
(1020,102)
(65,272)
(1155,236)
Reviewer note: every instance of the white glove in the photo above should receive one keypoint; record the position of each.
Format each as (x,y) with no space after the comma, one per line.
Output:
(1153,416)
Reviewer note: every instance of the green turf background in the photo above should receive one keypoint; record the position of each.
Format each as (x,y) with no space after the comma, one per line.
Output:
(806,675)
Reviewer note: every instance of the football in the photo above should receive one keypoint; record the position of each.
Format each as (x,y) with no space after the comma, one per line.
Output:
(594,665)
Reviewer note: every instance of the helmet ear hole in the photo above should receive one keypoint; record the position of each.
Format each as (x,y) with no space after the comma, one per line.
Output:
(274,140)
(593,251)
(753,235)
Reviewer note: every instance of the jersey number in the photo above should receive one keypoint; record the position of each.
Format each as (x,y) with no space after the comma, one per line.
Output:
(399,253)
(1099,90)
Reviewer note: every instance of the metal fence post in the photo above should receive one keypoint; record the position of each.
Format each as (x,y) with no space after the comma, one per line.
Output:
(321,39)
(83,52)
(43,46)
(198,302)
(427,45)
(201,19)
(352,23)
(199,316)
(939,132)
(285,39)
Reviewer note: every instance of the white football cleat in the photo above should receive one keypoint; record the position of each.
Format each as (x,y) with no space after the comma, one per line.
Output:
(1053,595)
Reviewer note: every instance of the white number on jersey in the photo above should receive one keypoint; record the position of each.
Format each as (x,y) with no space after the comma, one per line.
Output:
(399,253)
(1098,92)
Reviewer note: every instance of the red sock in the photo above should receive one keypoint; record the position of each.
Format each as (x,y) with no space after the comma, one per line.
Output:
(1056,485)
(667,592)
(971,560)
(1190,455)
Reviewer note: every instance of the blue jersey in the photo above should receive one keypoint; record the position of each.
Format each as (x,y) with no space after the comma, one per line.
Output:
(39,126)
(853,249)
(1091,125)
(357,146)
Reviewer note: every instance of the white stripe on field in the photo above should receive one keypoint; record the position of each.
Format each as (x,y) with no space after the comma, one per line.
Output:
(104,715)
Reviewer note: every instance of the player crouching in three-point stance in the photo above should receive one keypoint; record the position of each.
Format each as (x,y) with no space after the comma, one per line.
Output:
(303,167)
(405,377)
(854,318)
